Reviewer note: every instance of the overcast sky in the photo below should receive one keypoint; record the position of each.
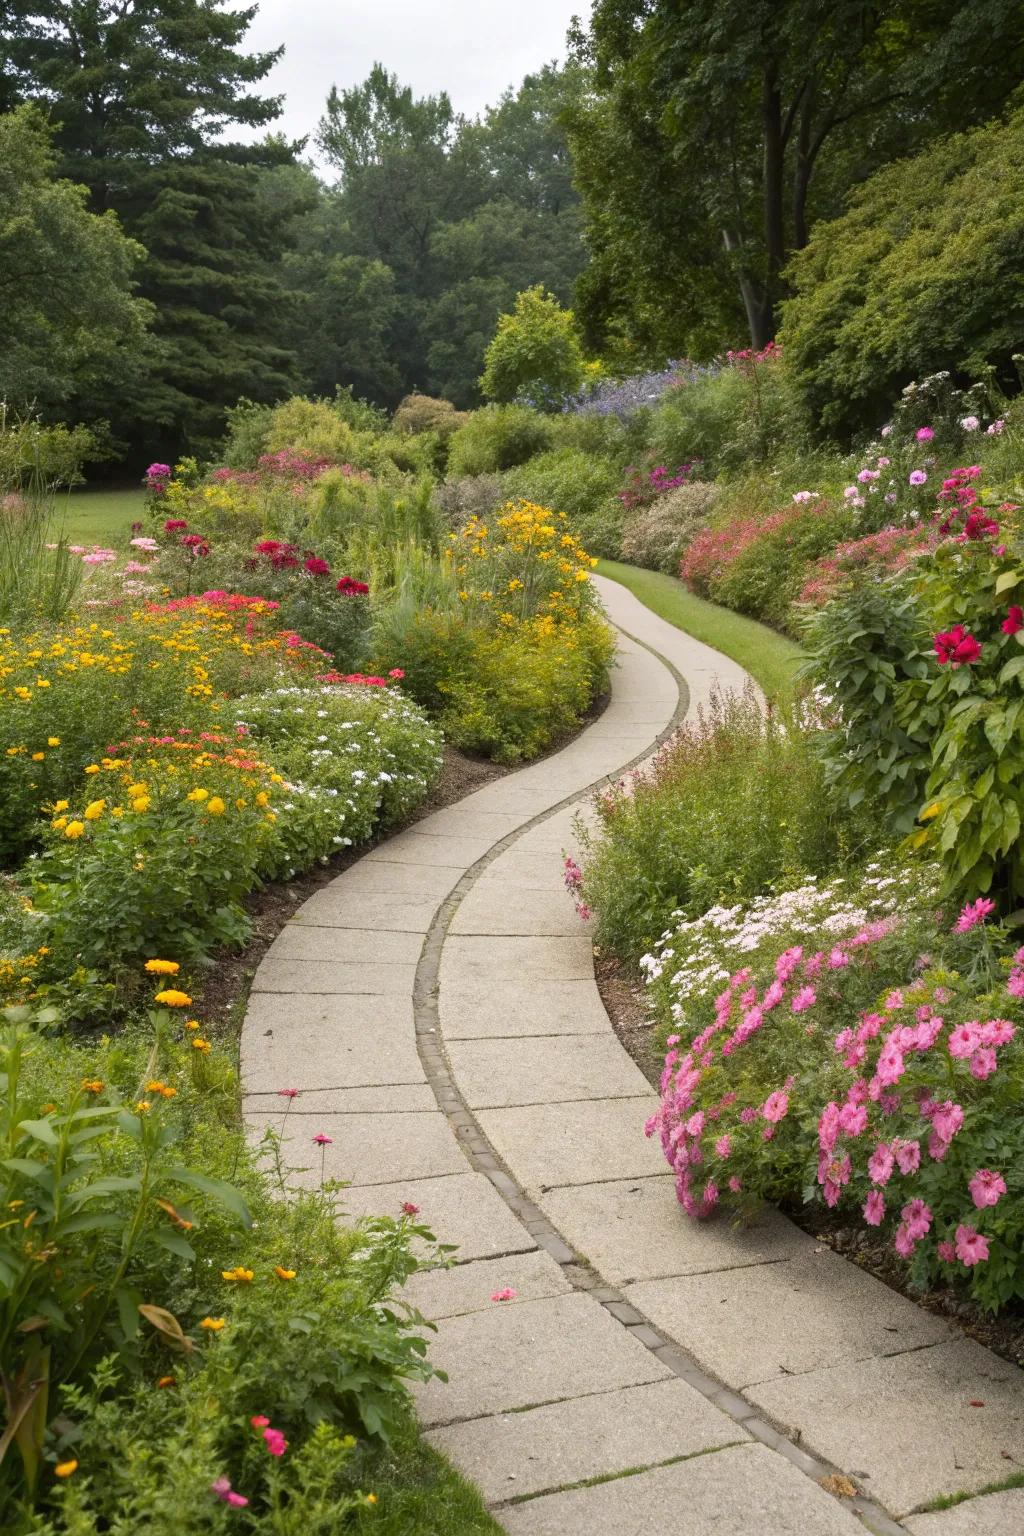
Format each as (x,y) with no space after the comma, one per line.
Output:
(472,49)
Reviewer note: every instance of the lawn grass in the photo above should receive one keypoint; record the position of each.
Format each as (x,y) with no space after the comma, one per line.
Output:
(418,1492)
(769,657)
(100,516)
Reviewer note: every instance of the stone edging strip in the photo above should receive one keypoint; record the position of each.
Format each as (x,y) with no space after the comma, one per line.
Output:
(551,1406)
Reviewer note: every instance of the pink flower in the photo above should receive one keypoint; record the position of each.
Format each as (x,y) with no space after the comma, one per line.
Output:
(853,1119)
(946,1252)
(222,1488)
(880,1164)
(964,1040)
(259,1421)
(983,1063)
(408,1209)
(804,999)
(918,1218)
(874,1208)
(924,434)
(287,1093)
(959,649)
(735,1185)
(723,1146)
(917,477)
(903,1242)
(947,1119)
(508,1294)
(837,959)
(975,911)
(986,1188)
(775,1106)
(275,1442)
(322,1140)
(971,1246)
(908,1155)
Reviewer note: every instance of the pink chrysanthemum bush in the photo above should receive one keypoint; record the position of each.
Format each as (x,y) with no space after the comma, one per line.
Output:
(866,1056)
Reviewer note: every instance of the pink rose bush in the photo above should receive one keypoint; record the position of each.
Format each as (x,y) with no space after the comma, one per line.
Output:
(805,1075)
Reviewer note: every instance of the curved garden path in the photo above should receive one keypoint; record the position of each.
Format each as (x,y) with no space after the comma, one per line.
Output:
(437,1008)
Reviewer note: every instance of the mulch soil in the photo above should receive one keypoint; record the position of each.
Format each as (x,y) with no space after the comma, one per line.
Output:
(1004,1335)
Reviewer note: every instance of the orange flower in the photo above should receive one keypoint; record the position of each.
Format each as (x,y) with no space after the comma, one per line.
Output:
(167,1381)
(239,1273)
(212,1324)
(171,998)
(92,1085)
(284,1274)
(162,967)
(65,1468)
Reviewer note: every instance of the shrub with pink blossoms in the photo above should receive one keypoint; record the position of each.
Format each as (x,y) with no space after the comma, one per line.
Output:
(894,1093)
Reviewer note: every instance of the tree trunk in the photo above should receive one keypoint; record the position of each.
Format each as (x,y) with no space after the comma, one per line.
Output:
(802,174)
(774,164)
(756,300)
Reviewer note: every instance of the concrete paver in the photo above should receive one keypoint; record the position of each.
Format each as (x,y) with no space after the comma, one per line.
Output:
(823,1311)
(537,1352)
(547,1070)
(462,1208)
(469,1287)
(904,1426)
(575,1143)
(301,941)
(990,1514)
(329,1040)
(743,1491)
(479,1007)
(307,978)
(564,959)
(510,1455)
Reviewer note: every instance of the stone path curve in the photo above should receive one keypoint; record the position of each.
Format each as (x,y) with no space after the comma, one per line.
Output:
(436,1007)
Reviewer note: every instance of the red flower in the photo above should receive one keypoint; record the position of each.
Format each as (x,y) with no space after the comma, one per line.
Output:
(268,546)
(196,543)
(317,567)
(352,588)
(396,673)
(979,526)
(957,647)
(1014,620)
(410,1209)
(173,524)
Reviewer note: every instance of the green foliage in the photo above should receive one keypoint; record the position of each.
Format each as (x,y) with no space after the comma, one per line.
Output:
(355,759)
(729,418)
(765,575)
(867,651)
(656,535)
(497,438)
(535,355)
(718,134)
(246,438)
(67,276)
(579,484)
(735,803)
(424,413)
(918,275)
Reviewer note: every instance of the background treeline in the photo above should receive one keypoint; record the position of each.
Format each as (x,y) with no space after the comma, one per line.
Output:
(691,178)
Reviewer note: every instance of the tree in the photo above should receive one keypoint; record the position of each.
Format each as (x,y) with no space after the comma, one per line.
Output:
(719,129)
(922,273)
(535,355)
(140,92)
(67,276)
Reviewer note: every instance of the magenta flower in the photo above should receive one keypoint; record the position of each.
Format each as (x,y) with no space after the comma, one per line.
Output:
(287,1093)
(924,434)
(409,1209)
(917,477)
(508,1294)
(804,999)
(908,1155)
(973,913)
(275,1442)
(918,1218)
(322,1140)
(776,1106)
(903,1242)
(1014,620)
(983,1063)
(874,1208)
(986,1188)
(965,1039)
(223,1490)
(958,648)
(880,1164)
(971,1246)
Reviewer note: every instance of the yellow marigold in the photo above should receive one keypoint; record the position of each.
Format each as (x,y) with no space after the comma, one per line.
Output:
(167,1381)
(198,794)
(137,789)
(239,1273)
(200,1045)
(212,1324)
(93,768)
(141,803)
(156,1086)
(143,1106)
(173,999)
(61,805)
(65,1468)
(94,810)
(162,967)
(191,1023)
(53,741)
(262,798)
(215,805)
(284,1274)
(92,1085)
(38,757)
(74,829)
(60,822)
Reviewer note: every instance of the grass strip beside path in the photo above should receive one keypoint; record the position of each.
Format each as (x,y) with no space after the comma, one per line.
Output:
(770,658)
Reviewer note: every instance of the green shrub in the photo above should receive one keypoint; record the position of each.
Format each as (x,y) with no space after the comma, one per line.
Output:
(733,805)
(312,429)
(354,758)
(655,536)
(496,438)
(535,355)
(765,576)
(246,436)
(919,275)
(469,496)
(417,414)
(730,419)
(571,481)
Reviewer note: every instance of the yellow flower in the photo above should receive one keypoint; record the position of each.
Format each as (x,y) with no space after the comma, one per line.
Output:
(262,798)
(212,1324)
(65,1468)
(60,822)
(167,1381)
(74,829)
(92,1085)
(284,1274)
(61,805)
(239,1273)
(215,806)
(198,794)
(200,1045)
(191,1023)
(371,1498)
(173,999)
(53,741)
(141,803)
(137,789)
(93,768)
(38,757)
(162,967)
(94,810)
(156,1086)
(143,1106)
